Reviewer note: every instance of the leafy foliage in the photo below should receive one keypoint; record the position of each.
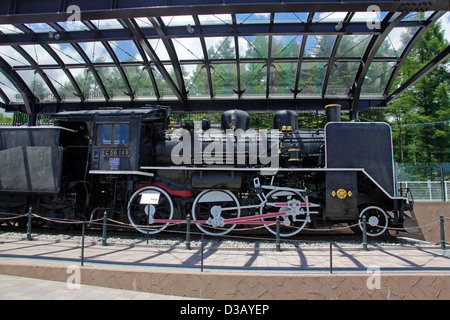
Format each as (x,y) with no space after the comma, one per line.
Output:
(5,119)
(421,130)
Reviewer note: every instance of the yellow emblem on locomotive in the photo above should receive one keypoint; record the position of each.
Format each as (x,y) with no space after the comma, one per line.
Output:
(341,194)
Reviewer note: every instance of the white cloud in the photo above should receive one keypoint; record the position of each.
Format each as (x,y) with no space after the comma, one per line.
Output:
(39,54)
(159,48)
(330,16)
(95,50)
(172,21)
(188,48)
(67,53)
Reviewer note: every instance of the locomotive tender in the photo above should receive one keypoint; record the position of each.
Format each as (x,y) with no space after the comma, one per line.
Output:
(145,170)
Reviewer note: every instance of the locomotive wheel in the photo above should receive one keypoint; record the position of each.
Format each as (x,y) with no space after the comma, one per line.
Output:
(207,207)
(142,213)
(377,221)
(288,227)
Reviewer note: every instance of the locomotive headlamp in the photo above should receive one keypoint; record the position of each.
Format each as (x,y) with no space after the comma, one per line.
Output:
(341,194)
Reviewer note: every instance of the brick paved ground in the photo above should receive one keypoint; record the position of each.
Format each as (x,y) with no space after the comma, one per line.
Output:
(221,263)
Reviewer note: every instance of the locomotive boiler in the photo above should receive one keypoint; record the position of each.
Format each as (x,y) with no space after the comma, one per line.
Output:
(148,171)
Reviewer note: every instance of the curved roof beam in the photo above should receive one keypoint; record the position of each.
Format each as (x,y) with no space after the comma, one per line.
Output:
(19,14)
(387,25)
(238,90)
(29,99)
(332,60)
(92,69)
(113,55)
(440,58)
(146,63)
(149,69)
(269,61)
(137,32)
(61,64)
(67,72)
(37,69)
(34,64)
(158,24)
(206,62)
(300,58)
(431,20)
(4,97)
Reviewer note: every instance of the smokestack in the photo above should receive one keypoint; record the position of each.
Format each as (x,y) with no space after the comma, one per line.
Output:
(333,112)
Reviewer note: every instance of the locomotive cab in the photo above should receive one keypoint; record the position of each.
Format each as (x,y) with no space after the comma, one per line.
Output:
(121,140)
(115,145)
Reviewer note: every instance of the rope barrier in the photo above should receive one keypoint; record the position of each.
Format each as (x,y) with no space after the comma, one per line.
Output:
(103,222)
(13,218)
(180,222)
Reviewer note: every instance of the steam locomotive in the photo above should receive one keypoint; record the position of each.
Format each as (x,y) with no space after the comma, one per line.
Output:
(150,172)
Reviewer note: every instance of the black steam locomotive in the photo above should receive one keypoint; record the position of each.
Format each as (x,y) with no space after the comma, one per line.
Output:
(148,171)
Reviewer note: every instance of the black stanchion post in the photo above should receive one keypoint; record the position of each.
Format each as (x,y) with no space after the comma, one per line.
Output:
(82,244)
(443,193)
(188,232)
(148,230)
(441,218)
(364,222)
(105,219)
(201,254)
(278,248)
(331,256)
(30,221)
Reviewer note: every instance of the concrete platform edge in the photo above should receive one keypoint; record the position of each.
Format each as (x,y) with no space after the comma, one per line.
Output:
(248,286)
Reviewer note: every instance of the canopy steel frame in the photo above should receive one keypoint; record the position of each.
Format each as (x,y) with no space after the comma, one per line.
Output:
(30,11)
(19,12)
(441,57)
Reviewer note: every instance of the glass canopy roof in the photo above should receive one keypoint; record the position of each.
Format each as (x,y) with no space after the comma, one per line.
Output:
(254,61)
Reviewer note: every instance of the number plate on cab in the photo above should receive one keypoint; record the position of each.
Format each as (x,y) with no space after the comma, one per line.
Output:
(125,153)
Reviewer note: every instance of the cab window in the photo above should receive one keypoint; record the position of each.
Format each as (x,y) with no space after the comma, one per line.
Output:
(112,134)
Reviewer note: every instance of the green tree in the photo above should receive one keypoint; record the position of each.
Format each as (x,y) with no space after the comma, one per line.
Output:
(5,119)
(39,89)
(420,133)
